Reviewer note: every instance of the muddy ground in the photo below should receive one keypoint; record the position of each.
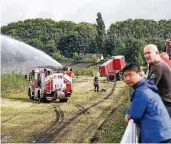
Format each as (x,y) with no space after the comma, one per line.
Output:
(75,121)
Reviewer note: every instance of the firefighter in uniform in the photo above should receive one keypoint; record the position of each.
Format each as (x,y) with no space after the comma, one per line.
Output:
(96,84)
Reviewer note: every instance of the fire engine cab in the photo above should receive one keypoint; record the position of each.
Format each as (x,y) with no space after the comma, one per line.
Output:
(50,83)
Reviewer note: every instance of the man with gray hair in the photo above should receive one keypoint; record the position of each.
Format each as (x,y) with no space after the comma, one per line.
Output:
(160,73)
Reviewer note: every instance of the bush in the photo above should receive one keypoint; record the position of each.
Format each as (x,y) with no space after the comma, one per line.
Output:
(87,60)
(58,56)
(94,59)
(77,57)
(13,82)
(84,72)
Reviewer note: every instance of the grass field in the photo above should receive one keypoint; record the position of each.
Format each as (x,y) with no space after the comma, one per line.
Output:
(87,115)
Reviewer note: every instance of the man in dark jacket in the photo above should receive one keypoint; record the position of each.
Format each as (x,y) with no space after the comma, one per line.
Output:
(96,84)
(160,73)
(147,109)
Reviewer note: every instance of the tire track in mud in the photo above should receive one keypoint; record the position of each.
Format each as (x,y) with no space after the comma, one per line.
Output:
(51,129)
(95,138)
(57,126)
(81,108)
(96,125)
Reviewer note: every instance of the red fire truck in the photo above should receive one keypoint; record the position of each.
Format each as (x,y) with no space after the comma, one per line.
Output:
(113,68)
(50,83)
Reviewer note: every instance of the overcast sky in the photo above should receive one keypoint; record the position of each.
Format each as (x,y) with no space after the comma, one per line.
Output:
(84,10)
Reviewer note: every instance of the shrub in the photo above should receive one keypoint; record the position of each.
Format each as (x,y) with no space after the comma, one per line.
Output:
(58,56)
(84,72)
(13,82)
(87,60)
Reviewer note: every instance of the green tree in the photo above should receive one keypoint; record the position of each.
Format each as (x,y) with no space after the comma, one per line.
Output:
(77,56)
(57,55)
(50,46)
(131,52)
(101,33)
(122,38)
(140,59)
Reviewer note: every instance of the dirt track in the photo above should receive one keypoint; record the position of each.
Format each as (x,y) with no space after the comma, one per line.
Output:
(71,130)
(90,110)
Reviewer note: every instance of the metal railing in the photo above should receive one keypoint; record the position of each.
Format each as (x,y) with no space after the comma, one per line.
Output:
(131,133)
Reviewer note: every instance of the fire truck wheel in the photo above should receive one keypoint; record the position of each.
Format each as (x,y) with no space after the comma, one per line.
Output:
(42,99)
(29,94)
(63,100)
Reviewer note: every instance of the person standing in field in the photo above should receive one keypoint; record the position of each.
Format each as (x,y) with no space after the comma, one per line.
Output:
(96,84)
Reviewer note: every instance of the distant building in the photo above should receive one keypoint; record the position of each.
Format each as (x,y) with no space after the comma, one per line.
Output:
(99,57)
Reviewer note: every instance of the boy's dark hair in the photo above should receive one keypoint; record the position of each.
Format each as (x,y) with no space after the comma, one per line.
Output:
(132,67)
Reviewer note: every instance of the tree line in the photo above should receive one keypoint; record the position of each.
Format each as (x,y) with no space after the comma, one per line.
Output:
(69,40)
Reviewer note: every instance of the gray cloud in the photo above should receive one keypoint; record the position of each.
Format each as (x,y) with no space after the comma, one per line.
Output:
(84,10)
